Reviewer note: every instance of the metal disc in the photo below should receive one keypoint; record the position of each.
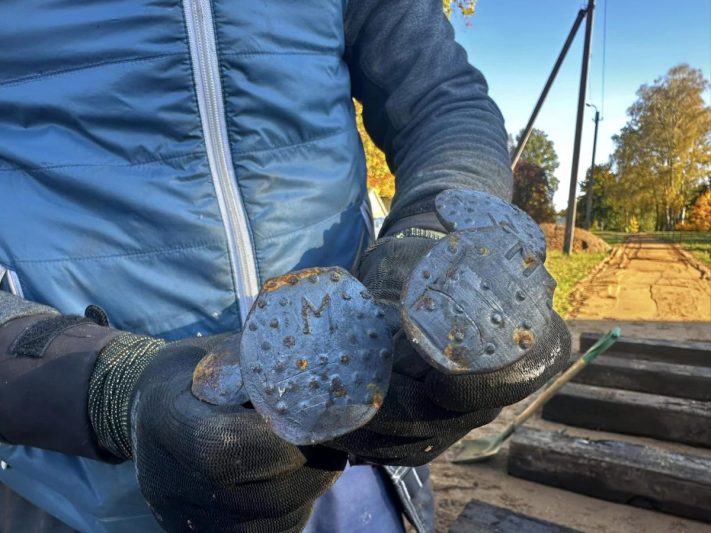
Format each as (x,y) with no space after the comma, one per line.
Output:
(478,301)
(316,355)
(217,378)
(459,209)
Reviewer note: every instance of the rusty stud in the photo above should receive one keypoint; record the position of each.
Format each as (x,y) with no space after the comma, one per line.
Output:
(293,280)
(337,387)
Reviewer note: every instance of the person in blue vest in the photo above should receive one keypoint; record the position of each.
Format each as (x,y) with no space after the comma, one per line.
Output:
(159,161)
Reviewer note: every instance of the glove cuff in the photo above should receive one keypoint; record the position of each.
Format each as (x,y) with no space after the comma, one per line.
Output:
(46,360)
(422,221)
(113,381)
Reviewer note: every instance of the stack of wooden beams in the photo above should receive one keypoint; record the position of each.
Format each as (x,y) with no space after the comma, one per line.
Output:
(657,390)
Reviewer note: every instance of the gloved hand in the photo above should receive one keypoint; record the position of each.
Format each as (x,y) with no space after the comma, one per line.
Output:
(472,306)
(200,466)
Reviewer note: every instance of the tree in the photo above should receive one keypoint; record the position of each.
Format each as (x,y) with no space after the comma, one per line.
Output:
(664,150)
(632,225)
(379,176)
(541,152)
(465,7)
(700,218)
(531,192)
(604,210)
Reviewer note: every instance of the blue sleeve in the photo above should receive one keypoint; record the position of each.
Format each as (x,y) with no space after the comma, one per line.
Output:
(424,105)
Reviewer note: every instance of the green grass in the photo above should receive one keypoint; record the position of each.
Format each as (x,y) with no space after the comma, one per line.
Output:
(702,252)
(612,237)
(568,271)
(698,243)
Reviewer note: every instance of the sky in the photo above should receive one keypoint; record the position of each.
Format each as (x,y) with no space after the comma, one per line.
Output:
(516,42)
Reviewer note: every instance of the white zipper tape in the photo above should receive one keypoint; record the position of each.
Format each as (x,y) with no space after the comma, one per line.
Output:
(203,52)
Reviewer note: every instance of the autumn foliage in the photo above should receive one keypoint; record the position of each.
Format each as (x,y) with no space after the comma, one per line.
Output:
(532,192)
(379,176)
(700,217)
(664,150)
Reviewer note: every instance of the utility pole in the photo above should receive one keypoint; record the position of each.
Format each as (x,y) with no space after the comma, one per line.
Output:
(570,217)
(591,181)
(542,98)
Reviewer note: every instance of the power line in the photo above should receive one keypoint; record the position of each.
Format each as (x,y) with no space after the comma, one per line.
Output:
(604,56)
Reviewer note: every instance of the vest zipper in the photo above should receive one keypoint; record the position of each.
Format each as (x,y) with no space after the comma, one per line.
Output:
(203,53)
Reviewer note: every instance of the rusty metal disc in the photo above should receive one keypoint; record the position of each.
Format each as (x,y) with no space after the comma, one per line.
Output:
(478,301)
(316,355)
(217,378)
(459,209)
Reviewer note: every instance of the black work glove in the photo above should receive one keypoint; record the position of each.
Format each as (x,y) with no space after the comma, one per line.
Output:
(428,408)
(200,466)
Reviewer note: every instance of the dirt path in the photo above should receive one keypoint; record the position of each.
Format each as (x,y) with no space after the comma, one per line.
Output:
(646,279)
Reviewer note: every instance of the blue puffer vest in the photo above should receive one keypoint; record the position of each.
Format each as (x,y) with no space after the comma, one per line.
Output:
(161,159)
